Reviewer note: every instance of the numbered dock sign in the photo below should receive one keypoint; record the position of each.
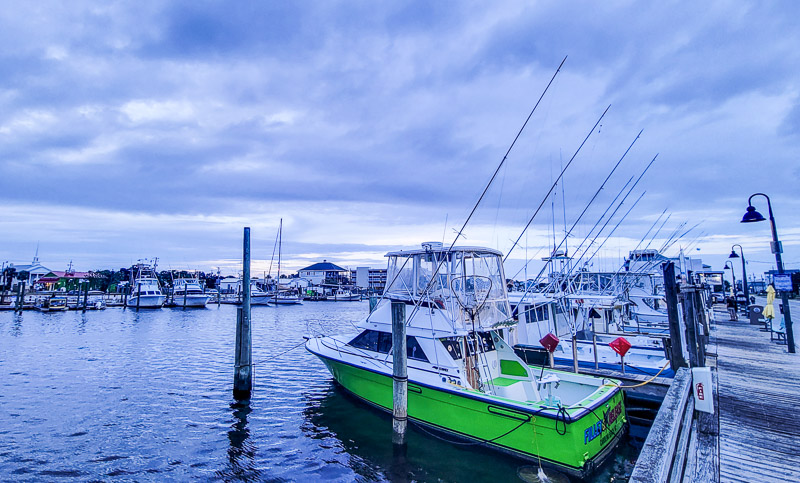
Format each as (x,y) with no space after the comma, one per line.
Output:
(703,389)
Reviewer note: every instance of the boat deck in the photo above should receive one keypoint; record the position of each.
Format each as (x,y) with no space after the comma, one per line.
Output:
(759,403)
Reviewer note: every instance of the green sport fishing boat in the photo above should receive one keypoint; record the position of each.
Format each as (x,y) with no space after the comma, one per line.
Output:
(464,379)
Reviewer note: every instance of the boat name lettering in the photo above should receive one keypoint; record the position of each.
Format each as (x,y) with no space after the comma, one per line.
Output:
(596,429)
(592,432)
(611,415)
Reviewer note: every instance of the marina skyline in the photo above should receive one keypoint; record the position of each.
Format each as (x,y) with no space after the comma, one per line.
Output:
(160,130)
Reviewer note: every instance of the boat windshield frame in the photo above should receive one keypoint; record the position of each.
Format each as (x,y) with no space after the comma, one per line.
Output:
(469,281)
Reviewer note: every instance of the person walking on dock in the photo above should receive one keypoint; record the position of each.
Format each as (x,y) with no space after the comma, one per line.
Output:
(731,302)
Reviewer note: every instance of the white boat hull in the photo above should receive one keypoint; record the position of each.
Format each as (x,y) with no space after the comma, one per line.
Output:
(147,301)
(191,300)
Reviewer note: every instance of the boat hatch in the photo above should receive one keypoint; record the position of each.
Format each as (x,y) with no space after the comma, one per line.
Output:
(375,341)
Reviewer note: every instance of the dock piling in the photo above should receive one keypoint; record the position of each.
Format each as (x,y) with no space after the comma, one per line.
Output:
(138,295)
(399,374)
(574,353)
(243,373)
(676,359)
(85,296)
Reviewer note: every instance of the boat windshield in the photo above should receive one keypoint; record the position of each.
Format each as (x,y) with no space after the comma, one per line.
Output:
(468,282)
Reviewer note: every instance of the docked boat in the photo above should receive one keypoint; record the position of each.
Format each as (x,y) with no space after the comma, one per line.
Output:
(648,314)
(52,304)
(464,379)
(595,321)
(145,288)
(344,295)
(187,292)
(285,297)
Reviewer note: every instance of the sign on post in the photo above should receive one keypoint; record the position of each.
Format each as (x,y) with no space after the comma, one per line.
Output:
(782,282)
(703,389)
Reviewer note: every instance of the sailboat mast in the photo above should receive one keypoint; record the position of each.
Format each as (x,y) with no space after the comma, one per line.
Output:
(280,241)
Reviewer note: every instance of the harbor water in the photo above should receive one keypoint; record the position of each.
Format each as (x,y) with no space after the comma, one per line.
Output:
(126,396)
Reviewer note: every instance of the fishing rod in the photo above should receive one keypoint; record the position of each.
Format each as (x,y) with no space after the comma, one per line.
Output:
(538,276)
(602,185)
(552,187)
(485,190)
(616,274)
(569,272)
(658,231)
(617,209)
(616,226)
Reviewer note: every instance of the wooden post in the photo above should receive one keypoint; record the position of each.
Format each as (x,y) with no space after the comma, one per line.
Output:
(701,323)
(20,296)
(77,299)
(243,370)
(690,320)
(138,295)
(676,359)
(574,354)
(184,296)
(594,345)
(85,296)
(399,374)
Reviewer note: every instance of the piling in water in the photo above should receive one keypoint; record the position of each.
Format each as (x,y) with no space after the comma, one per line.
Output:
(243,373)
(399,374)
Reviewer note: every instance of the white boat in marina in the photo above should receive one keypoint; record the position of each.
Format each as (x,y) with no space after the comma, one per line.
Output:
(145,289)
(649,312)
(596,321)
(257,296)
(463,378)
(344,295)
(285,297)
(187,292)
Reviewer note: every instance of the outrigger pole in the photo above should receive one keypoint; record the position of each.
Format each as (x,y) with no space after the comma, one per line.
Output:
(460,232)
(563,240)
(553,186)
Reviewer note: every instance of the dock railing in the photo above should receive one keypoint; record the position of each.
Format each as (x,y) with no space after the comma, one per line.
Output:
(681,444)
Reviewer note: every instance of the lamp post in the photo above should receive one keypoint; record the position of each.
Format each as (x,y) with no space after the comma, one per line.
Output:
(751,216)
(733,277)
(744,271)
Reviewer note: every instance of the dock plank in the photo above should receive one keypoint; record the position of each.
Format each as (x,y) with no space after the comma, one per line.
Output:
(759,400)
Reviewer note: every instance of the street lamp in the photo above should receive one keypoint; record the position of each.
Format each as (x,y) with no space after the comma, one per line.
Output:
(733,276)
(752,216)
(744,270)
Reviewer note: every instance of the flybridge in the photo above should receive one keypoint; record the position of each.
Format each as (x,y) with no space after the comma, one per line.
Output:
(466,284)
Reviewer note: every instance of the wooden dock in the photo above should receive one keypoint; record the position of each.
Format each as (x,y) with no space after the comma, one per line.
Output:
(754,434)
(759,405)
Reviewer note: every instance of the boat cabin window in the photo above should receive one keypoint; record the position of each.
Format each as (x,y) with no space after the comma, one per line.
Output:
(453,346)
(381,342)
(536,314)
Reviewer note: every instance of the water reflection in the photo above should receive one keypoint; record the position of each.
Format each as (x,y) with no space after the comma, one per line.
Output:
(241,449)
(364,433)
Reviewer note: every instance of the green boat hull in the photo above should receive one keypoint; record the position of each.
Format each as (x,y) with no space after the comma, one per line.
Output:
(576,445)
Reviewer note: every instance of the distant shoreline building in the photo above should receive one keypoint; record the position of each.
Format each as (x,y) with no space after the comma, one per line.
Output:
(325,272)
(373,279)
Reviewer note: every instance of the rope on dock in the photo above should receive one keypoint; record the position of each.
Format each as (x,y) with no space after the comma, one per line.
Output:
(611,384)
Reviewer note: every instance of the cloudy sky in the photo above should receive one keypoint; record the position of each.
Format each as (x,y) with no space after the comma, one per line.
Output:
(160,129)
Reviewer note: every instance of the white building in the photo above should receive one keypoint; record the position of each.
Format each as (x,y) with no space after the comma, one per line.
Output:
(325,272)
